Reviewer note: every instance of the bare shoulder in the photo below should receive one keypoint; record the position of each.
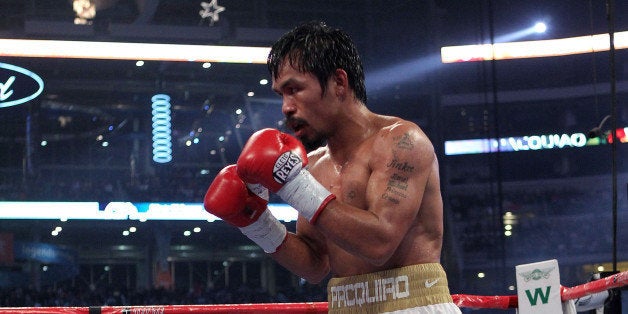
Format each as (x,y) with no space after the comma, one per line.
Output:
(316,155)
(402,135)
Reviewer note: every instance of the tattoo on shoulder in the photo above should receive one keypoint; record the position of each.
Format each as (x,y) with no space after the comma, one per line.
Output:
(404,141)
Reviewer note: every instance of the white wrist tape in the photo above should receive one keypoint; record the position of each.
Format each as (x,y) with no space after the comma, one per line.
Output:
(258,190)
(267,232)
(306,195)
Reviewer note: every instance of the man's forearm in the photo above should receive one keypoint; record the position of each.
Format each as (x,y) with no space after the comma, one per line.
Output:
(298,257)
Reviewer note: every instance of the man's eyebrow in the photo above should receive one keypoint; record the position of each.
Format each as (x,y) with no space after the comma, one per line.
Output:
(283,84)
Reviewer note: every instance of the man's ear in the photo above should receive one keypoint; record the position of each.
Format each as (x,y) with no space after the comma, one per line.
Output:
(340,83)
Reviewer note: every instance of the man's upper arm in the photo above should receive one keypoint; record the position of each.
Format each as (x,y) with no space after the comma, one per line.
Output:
(401,166)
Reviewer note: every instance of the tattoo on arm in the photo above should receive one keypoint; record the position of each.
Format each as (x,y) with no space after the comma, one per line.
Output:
(396,188)
(400,165)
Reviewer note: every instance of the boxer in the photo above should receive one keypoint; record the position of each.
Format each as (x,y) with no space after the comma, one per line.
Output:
(368,192)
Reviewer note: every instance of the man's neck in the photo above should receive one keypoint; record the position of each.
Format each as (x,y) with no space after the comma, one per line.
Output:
(355,126)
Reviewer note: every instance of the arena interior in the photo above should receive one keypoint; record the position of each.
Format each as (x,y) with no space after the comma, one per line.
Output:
(89,215)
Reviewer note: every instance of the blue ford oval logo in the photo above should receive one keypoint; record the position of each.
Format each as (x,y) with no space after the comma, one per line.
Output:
(18,85)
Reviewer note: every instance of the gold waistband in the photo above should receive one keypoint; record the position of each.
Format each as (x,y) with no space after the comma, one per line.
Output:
(389,290)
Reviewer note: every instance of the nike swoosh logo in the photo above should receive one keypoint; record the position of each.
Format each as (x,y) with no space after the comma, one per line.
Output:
(429,284)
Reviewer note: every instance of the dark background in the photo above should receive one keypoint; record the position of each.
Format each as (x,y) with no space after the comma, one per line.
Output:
(563,198)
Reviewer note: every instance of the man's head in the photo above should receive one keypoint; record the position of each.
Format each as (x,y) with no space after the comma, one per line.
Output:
(319,49)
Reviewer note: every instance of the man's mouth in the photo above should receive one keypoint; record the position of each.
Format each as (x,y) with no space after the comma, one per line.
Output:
(296,125)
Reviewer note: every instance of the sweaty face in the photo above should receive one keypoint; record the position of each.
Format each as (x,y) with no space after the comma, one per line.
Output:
(305,107)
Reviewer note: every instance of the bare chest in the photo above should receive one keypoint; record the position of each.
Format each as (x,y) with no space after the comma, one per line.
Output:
(348,181)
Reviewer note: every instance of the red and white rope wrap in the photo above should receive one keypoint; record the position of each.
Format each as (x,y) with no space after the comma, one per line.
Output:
(462,300)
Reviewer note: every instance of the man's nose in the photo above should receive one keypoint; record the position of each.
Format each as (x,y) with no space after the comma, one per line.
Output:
(287,107)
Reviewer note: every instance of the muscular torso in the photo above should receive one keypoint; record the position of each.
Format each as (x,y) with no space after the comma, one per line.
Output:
(350,183)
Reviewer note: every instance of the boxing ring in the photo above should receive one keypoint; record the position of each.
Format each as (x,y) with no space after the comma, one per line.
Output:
(503,302)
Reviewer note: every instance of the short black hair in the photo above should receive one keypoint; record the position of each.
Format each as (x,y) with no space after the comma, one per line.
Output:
(319,49)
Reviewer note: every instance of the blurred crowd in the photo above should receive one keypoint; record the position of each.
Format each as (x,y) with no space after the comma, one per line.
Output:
(176,187)
(541,220)
(68,295)
(181,186)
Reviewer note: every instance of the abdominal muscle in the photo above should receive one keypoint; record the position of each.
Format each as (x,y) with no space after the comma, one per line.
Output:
(414,249)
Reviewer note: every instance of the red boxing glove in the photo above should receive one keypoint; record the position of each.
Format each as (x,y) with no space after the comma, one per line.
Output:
(271,158)
(229,198)
(277,161)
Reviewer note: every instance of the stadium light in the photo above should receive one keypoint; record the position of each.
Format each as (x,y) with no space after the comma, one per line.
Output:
(537,28)
(540,27)
(131,51)
(533,49)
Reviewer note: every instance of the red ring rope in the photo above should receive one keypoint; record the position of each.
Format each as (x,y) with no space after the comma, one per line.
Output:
(311,307)
(613,281)
(461,300)
(501,302)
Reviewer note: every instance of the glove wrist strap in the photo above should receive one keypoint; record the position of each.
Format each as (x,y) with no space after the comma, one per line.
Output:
(305,194)
(266,231)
